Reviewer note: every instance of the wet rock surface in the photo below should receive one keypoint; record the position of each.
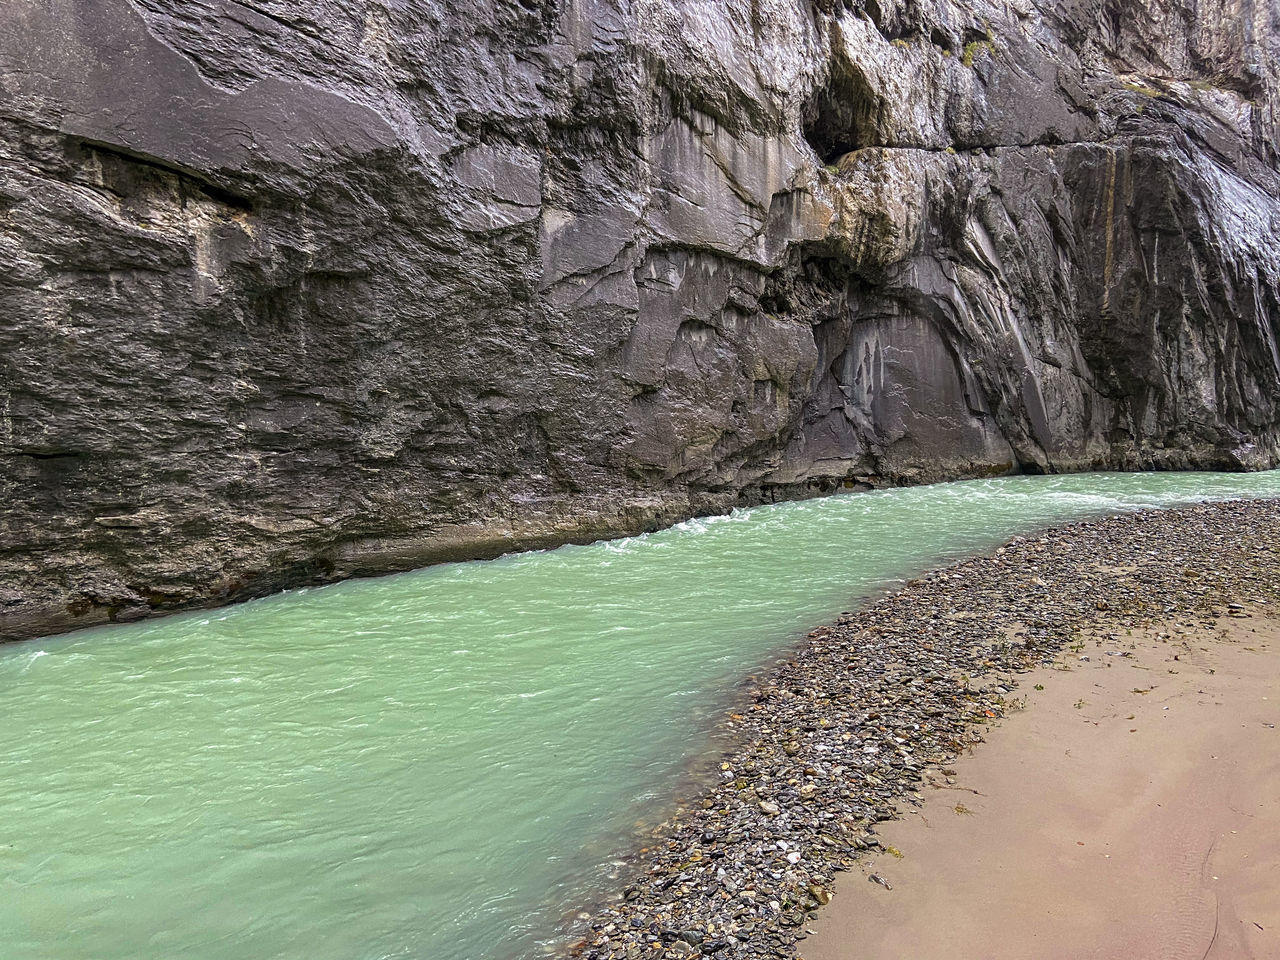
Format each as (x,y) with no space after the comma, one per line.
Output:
(867,713)
(291,292)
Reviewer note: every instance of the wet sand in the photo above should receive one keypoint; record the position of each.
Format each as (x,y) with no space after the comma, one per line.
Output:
(1131,810)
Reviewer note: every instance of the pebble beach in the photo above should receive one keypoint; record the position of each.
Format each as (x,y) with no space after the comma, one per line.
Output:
(856,725)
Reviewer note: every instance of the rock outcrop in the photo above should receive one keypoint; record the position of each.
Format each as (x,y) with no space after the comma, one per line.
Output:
(297,291)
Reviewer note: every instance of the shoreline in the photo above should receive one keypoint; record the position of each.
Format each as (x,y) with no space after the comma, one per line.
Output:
(53,610)
(840,735)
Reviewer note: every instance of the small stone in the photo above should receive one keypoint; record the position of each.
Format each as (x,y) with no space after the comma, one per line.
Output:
(820,894)
(769,808)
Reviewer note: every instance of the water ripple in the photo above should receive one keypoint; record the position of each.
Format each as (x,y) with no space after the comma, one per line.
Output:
(433,765)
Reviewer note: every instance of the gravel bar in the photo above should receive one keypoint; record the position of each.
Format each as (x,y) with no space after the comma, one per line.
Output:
(843,732)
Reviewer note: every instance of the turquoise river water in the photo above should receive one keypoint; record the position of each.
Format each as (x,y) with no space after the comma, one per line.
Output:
(434,765)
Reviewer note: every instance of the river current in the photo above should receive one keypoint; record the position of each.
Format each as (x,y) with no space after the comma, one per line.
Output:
(435,765)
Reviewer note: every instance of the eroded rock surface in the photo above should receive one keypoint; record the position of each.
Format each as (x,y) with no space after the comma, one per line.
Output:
(296,291)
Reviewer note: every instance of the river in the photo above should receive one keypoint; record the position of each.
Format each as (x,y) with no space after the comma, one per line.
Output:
(435,765)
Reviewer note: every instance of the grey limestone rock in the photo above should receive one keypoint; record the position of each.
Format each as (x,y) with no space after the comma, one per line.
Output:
(297,291)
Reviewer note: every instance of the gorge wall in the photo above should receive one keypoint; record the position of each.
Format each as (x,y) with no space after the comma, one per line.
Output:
(293,291)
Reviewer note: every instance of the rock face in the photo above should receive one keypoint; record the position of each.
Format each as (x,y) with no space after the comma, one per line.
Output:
(296,291)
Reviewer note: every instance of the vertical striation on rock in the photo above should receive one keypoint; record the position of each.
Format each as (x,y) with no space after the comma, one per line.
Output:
(297,291)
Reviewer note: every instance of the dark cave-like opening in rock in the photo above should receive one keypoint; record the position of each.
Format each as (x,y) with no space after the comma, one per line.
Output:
(843,114)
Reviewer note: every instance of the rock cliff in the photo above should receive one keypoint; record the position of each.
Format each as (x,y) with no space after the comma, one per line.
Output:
(293,291)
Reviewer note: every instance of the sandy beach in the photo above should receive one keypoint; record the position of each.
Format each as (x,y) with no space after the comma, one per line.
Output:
(1130,810)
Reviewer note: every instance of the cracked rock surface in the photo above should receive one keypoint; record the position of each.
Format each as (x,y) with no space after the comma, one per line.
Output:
(297,291)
